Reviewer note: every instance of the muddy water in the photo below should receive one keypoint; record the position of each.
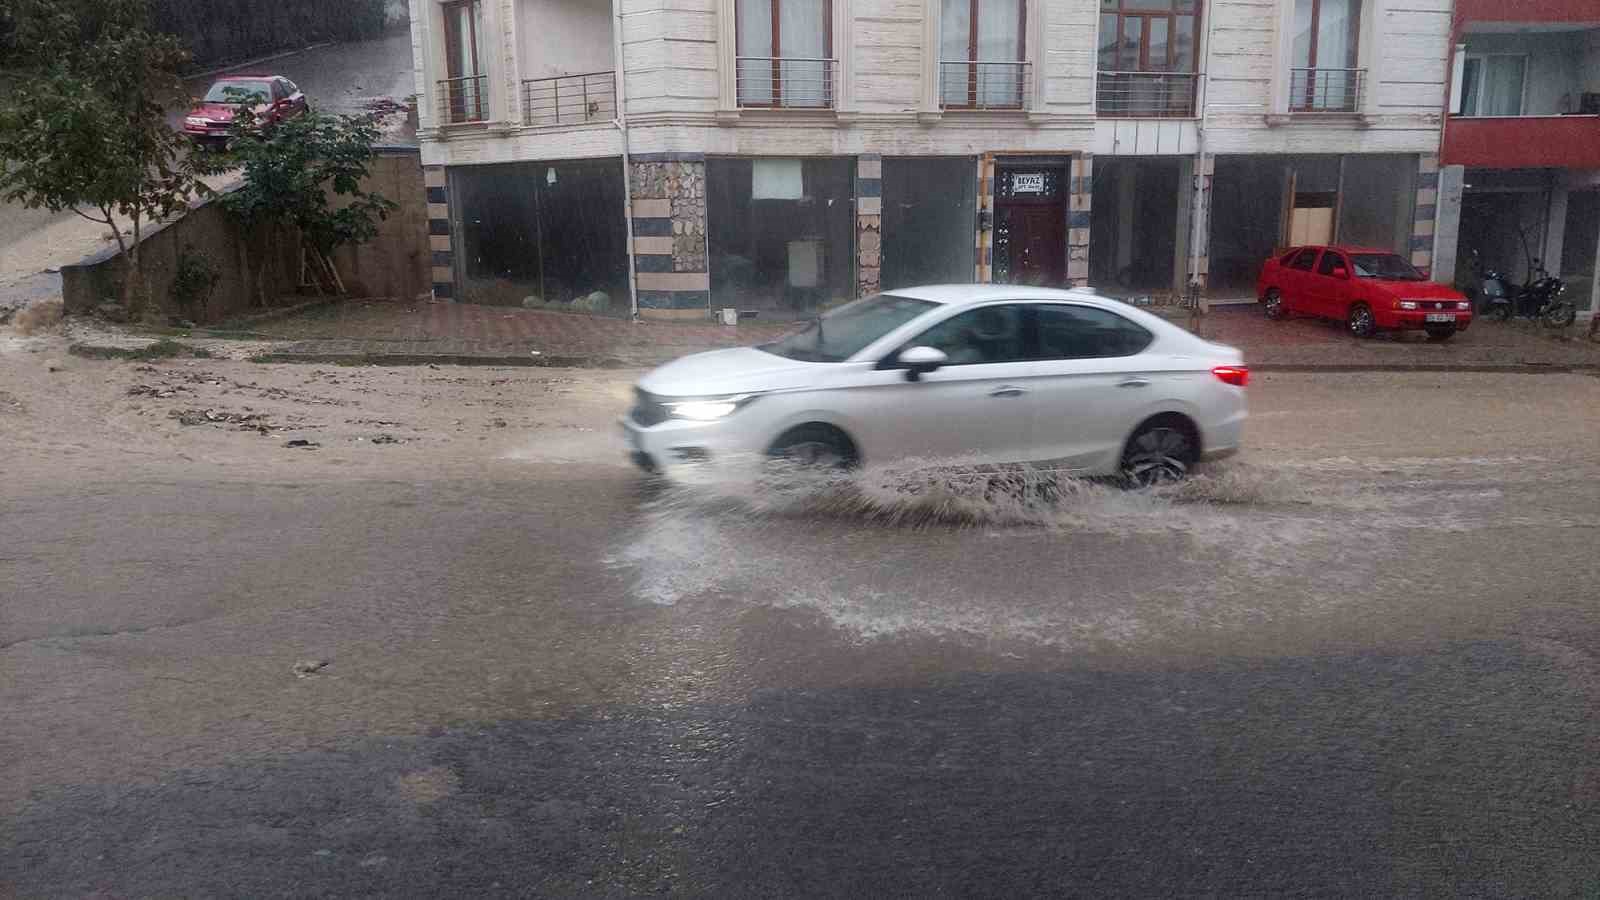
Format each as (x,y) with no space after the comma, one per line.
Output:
(1242,558)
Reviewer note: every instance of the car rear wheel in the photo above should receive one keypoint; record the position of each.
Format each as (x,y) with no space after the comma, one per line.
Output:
(1441,333)
(1160,452)
(1361,322)
(1272,304)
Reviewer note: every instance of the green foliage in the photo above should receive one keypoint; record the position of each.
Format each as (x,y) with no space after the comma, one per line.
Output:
(83,128)
(307,174)
(193,282)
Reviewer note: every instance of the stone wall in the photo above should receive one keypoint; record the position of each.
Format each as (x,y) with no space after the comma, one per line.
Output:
(869,224)
(668,203)
(394,264)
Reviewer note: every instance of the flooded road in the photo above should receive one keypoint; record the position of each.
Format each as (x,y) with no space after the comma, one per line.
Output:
(1360,660)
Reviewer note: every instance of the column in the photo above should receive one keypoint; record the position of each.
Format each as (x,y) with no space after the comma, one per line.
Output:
(869,223)
(669,235)
(1447,222)
(1425,212)
(436,182)
(1079,206)
(1200,229)
(1555,232)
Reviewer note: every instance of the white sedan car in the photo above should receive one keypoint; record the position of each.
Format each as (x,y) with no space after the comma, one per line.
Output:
(992,373)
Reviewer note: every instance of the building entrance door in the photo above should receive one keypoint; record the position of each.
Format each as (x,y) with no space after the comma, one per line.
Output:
(1030,227)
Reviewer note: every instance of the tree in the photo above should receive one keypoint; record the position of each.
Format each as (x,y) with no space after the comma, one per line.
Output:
(83,128)
(305,175)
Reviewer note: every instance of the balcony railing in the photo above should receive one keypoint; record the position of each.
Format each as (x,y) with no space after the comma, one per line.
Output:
(785,82)
(570,99)
(463,99)
(1162,95)
(1326,90)
(984,85)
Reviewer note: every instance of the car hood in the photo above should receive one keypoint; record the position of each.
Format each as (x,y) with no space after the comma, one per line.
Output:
(217,112)
(1416,290)
(735,371)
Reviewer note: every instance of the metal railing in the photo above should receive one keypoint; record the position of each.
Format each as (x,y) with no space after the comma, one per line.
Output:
(984,85)
(785,82)
(1326,90)
(464,99)
(570,99)
(1146,94)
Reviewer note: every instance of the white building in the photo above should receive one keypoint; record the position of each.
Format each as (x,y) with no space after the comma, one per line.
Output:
(783,154)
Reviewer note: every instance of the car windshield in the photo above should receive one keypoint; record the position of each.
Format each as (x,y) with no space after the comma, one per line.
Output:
(841,334)
(233,91)
(1387,266)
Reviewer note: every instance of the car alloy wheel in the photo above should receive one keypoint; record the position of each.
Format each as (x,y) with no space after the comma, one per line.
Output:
(1362,324)
(1156,456)
(1272,304)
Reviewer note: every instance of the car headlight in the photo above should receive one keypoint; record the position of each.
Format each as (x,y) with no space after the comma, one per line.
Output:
(1463,304)
(707,409)
(1408,304)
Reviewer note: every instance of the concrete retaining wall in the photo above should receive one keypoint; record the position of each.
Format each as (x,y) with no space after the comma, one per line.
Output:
(394,264)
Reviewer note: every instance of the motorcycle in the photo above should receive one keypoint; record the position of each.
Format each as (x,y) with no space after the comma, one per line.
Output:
(1540,297)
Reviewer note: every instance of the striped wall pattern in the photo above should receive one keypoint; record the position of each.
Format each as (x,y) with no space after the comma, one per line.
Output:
(668,204)
(869,224)
(1427,211)
(436,182)
(1079,207)
(985,233)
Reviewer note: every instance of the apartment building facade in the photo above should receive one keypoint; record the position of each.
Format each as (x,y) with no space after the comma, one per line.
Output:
(1521,148)
(680,156)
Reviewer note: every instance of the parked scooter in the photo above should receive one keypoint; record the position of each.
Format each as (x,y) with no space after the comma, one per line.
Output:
(1540,297)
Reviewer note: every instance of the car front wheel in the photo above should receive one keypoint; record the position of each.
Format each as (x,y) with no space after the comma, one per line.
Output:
(815,446)
(1361,322)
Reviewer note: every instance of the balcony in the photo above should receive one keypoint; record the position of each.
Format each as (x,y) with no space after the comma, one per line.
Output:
(580,99)
(463,100)
(788,82)
(984,85)
(1522,142)
(1146,95)
(1323,90)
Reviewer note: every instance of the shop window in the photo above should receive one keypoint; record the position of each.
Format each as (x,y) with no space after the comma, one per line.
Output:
(981,54)
(781,233)
(785,50)
(1379,198)
(928,221)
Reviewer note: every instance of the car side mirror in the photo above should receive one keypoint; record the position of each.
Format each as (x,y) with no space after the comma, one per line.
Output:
(918,361)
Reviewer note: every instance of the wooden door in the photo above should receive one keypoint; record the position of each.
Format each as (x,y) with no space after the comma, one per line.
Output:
(1041,246)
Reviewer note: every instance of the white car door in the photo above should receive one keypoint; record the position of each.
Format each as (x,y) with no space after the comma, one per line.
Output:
(1100,385)
(976,406)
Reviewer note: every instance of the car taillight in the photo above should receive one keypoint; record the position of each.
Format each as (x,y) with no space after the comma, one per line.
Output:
(1238,376)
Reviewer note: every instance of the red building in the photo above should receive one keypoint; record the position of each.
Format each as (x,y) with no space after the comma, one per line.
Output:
(1520,153)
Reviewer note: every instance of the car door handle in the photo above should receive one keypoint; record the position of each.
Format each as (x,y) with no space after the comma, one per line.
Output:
(1009,390)
(1133,383)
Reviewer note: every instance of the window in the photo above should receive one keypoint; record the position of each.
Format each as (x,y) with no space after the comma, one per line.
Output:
(1323,74)
(1147,57)
(1385,266)
(1305,260)
(289,86)
(785,50)
(236,91)
(846,331)
(981,54)
(1330,261)
(1492,84)
(988,334)
(461,93)
(1083,332)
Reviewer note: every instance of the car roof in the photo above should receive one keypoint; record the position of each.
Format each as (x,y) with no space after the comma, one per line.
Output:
(980,293)
(245,76)
(1343,248)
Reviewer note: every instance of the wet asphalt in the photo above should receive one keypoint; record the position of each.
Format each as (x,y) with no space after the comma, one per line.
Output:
(1362,661)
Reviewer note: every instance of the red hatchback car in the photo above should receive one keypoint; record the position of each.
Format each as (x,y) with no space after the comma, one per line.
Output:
(277,99)
(1368,290)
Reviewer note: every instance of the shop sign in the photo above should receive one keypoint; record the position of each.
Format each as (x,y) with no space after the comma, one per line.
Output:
(1027,183)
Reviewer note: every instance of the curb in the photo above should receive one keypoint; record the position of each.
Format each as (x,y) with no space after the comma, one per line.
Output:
(448,359)
(257,61)
(1508,368)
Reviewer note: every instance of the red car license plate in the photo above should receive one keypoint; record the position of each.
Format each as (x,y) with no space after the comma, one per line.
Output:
(1440,317)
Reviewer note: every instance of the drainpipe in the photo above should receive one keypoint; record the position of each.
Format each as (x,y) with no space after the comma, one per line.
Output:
(1199,215)
(621,123)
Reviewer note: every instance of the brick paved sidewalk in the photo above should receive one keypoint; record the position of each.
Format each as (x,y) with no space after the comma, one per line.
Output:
(408,332)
